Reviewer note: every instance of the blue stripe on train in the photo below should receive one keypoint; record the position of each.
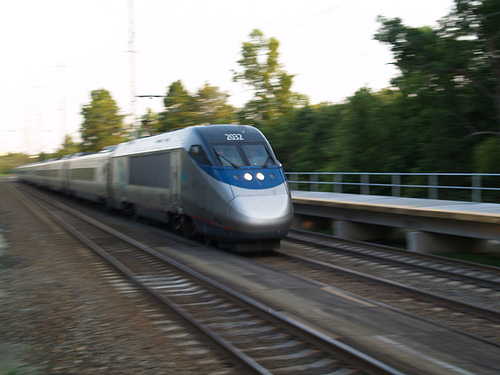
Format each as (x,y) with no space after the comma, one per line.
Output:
(273,176)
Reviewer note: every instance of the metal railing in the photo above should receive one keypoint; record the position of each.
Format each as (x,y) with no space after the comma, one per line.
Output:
(475,187)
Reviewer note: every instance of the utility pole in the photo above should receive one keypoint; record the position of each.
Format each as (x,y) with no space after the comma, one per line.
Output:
(62,91)
(145,123)
(132,67)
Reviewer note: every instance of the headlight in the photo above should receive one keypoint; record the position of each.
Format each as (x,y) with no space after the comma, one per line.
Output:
(260,176)
(248,177)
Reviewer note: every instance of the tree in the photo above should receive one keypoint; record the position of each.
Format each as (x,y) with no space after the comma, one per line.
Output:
(487,155)
(211,107)
(450,81)
(68,147)
(459,62)
(10,161)
(150,123)
(303,139)
(271,84)
(208,106)
(178,108)
(477,24)
(102,125)
(368,133)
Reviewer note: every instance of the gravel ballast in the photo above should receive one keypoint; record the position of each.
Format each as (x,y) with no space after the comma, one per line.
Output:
(59,316)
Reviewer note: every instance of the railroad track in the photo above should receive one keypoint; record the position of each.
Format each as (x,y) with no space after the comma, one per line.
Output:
(231,321)
(459,294)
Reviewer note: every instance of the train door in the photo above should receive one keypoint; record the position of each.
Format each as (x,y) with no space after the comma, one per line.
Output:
(175,177)
(106,180)
(65,176)
(117,181)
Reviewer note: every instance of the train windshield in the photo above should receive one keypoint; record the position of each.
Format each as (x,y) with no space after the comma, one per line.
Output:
(229,156)
(257,155)
(243,155)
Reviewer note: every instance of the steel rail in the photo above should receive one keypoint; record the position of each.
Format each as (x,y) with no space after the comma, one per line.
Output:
(455,303)
(460,305)
(240,357)
(352,355)
(400,251)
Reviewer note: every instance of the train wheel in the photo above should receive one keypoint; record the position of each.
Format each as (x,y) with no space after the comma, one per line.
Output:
(174,220)
(108,205)
(209,241)
(182,224)
(133,213)
(187,227)
(128,209)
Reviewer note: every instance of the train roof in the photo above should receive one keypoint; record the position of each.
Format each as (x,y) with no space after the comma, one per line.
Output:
(170,140)
(178,138)
(219,133)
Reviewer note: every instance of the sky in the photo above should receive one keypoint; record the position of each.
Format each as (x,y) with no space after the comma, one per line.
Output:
(55,52)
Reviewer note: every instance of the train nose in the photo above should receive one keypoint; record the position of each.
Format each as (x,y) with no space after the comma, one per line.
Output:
(261,214)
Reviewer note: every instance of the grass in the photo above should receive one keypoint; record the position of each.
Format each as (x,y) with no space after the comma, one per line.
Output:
(469,257)
(474,258)
(19,370)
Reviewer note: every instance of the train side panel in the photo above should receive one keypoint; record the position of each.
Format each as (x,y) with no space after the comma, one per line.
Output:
(118,179)
(49,174)
(88,176)
(153,182)
(147,183)
(204,200)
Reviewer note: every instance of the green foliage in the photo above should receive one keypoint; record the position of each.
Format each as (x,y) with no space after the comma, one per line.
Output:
(450,80)
(150,123)
(435,117)
(67,148)
(10,161)
(457,64)
(303,139)
(366,133)
(487,156)
(211,107)
(475,258)
(265,75)
(18,370)
(208,106)
(102,125)
(360,134)
(178,108)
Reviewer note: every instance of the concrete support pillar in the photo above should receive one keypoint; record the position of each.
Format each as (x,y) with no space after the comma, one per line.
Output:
(313,223)
(428,242)
(362,231)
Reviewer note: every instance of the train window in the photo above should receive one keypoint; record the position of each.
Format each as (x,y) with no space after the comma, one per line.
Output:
(83,174)
(229,156)
(199,154)
(50,173)
(150,170)
(258,155)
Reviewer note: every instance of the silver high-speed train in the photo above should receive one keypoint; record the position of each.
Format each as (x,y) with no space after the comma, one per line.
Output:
(222,182)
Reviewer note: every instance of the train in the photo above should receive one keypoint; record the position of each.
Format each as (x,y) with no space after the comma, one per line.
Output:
(221,183)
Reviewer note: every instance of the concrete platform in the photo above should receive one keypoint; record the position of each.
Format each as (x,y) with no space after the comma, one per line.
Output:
(410,345)
(434,225)
(468,211)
